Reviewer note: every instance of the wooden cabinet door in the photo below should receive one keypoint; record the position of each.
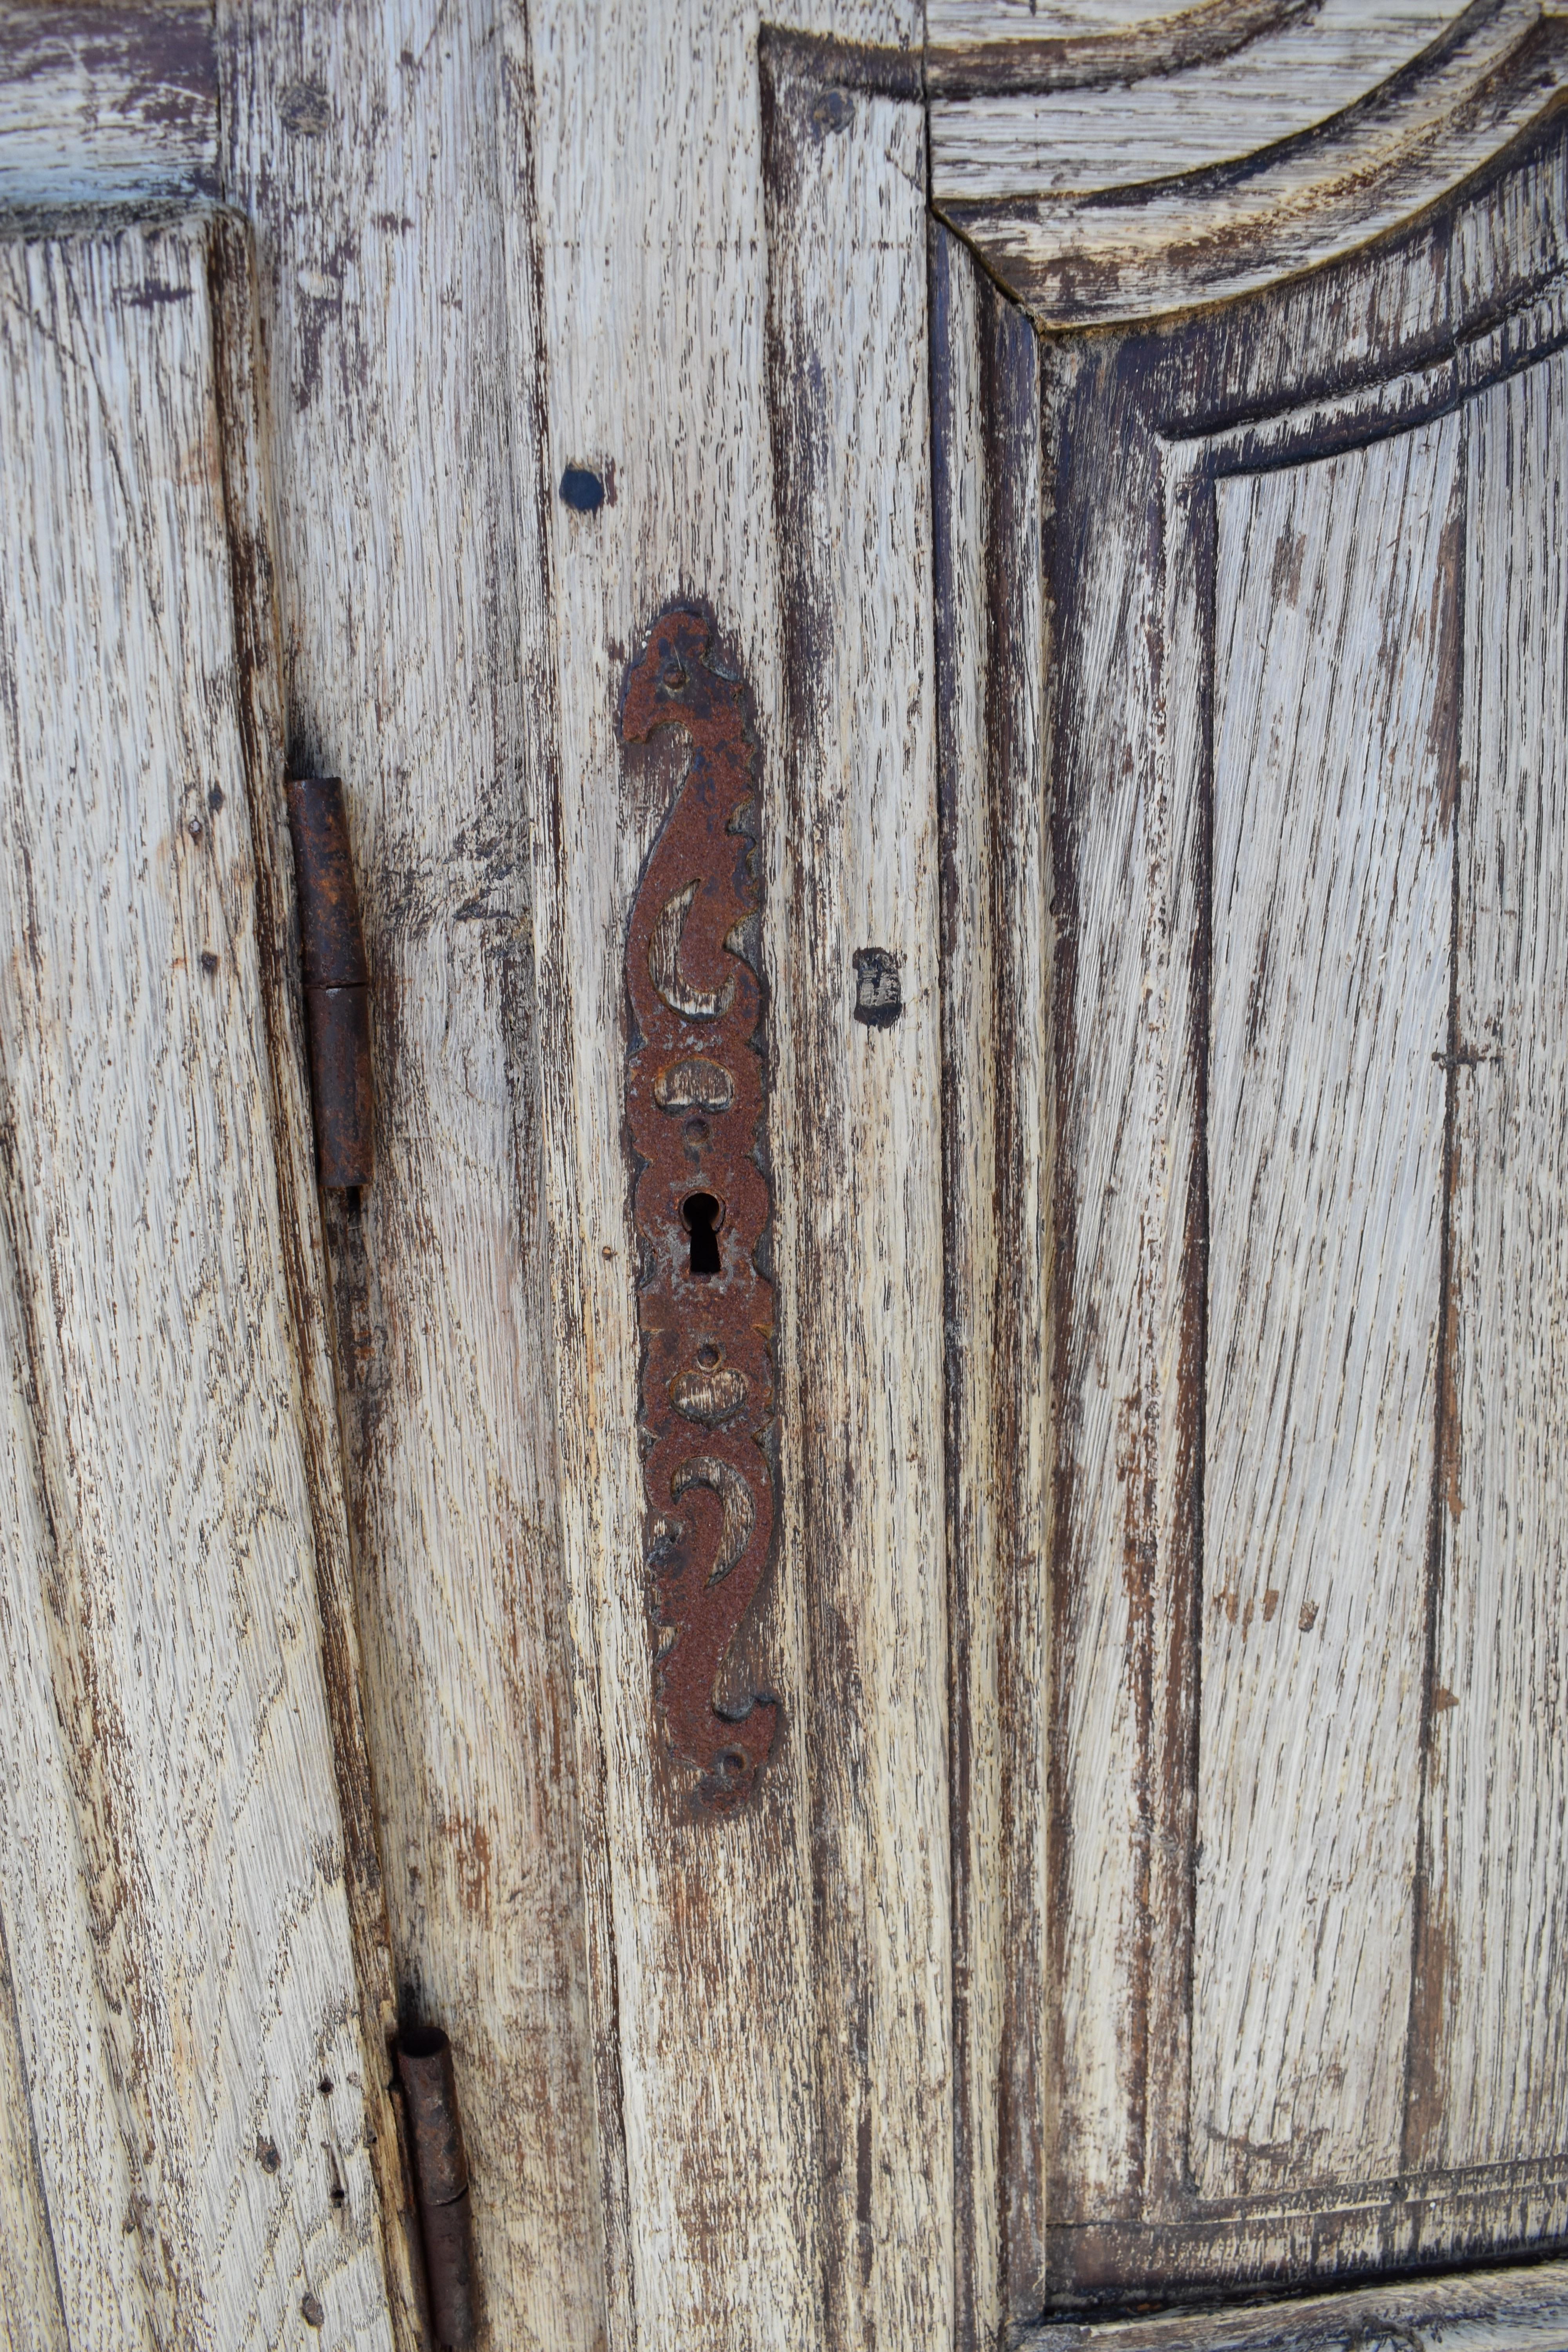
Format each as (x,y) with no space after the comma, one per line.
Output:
(198,2148)
(1087,486)
(1260,1577)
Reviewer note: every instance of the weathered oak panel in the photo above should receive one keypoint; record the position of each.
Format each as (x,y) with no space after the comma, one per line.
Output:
(1253,525)
(1334,752)
(368,153)
(175,1868)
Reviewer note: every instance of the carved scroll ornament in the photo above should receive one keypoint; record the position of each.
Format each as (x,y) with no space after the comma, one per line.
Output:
(694,1106)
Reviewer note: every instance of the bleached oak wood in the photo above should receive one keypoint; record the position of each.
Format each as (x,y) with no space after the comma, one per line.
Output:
(1145,435)
(368,155)
(252,532)
(1488,2023)
(950,23)
(174,1898)
(1098,257)
(1116,133)
(857,1160)
(30,2314)
(1523,2310)
(997,46)
(782,2044)
(1335,621)
(996,949)
(105,104)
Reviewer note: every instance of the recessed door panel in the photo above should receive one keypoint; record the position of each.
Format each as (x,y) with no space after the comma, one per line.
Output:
(1335,601)
(1294,1588)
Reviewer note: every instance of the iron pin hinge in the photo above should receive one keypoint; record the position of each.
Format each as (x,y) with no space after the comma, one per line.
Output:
(337,982)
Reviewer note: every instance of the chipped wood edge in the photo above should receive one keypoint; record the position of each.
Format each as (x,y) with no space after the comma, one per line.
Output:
(248,505)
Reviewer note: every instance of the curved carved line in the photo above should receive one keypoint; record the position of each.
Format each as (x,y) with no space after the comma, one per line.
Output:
(734,1495)
(664,964)
(1159,45)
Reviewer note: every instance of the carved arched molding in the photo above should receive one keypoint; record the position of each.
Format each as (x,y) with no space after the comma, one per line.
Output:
(1123,252)
(974,51)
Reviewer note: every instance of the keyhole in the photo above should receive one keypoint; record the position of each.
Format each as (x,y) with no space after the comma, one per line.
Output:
(700,1213)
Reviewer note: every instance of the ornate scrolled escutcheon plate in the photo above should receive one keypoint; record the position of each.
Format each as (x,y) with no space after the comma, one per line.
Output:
(695,1107)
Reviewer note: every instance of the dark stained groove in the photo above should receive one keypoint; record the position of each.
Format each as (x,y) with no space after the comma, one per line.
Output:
(1009,393)
(1121,2267)
(1062,1321)
(1423,2086)
(939,258)
(1182,1728)
(1160,44)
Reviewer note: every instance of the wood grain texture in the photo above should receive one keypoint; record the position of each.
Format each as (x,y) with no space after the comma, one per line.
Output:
(1522,2310)
(1335,650)
(1488,2072)
(31,2316)
(252,536)
(752,2010)
(1144,434)
(1101,257)
(997,1151)
(994,46)
(175,1899)
(370,166)
(107,104)
(858,1152)
(1286,80)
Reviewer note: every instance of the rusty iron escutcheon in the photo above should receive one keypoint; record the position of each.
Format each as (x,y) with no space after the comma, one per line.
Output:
(337,982)
(441,2181)
(695,1108)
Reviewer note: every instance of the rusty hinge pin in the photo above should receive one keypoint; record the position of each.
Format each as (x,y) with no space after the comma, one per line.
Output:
(337,982)
(441,2181)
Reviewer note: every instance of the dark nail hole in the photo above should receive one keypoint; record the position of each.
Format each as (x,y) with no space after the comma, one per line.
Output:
(209,962)
(214,798)
(583,491)
(700,1213)
(707,1355)
(325,2086)
(337,2194)
(310,2311)
(267,2156)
